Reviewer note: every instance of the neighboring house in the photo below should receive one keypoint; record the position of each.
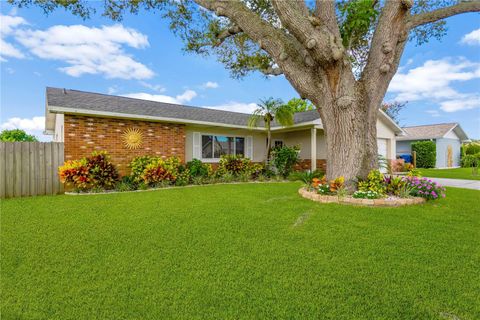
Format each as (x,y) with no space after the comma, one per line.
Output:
(86,122)
(448,138)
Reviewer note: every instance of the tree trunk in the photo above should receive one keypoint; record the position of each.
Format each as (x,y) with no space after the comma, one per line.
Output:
(269,144)
(349,117)
(351,142)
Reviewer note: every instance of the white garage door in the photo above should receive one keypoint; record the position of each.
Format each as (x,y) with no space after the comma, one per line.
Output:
(382,151)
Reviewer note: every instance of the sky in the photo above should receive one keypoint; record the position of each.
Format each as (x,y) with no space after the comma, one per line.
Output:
(139,57)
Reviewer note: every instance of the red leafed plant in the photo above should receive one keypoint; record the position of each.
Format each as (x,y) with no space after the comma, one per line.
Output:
(75,173)
(95,171)
(159,171)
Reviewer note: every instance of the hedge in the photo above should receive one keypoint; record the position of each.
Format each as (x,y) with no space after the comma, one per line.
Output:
(426,153)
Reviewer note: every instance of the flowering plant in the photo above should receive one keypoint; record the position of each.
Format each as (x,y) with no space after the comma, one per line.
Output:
(425,188)
(366,194)
(323,186)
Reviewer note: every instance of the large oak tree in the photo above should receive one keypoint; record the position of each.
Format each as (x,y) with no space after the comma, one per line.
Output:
(340,55)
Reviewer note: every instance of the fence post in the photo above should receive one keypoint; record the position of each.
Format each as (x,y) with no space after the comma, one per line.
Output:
(414,155)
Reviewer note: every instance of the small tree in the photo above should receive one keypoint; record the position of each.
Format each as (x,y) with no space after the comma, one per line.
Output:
(269,110)
(426,153)
(16,135)
(285,158)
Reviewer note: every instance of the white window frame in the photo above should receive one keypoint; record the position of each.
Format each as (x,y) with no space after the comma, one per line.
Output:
(214,160)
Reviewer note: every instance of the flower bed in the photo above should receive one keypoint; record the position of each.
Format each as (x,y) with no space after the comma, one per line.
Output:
(382,202)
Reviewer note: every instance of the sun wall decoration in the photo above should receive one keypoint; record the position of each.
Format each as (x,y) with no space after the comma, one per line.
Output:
(132,138)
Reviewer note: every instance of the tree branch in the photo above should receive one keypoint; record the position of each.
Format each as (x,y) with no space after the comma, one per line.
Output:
(325,11)
(322,45)
(439,14)
(227,33)
(272,71)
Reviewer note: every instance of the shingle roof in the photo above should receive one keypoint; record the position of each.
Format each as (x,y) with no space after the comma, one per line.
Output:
(432,131)
(96,102)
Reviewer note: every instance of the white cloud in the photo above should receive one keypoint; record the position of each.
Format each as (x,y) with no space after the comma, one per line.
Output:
(433,113)
(86,50)
(235,107)
(154,87)
(433,79)
(210,85)
(8,25)
(472,38)
(460,104)
(185,97)
(35,126)
(433,82)
(112,90)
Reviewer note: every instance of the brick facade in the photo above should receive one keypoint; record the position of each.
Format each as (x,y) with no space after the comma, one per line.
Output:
(305,164)
(85,134)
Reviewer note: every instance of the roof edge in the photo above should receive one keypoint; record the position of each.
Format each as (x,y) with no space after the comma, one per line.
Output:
(55,109)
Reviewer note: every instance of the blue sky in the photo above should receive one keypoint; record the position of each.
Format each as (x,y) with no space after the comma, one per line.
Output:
(140,57)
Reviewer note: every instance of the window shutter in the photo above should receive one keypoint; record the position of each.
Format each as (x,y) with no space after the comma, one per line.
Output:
(249,147)
(197,145)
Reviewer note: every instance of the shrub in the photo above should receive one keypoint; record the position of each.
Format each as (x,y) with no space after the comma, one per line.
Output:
(138,166)
(284,159)
(426,153)
(235,165)
(374,182)
(199,169)
(425,188)
(471,148)
(232,164)
(75,173)
(94,172)
(160,171)
(471,161)
(183,177)
(103,173)
(394,185)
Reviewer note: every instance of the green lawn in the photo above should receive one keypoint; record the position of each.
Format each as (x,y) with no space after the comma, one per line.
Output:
(457,173)
(238,252)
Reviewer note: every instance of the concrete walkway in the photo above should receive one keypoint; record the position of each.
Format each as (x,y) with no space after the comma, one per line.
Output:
(458,183)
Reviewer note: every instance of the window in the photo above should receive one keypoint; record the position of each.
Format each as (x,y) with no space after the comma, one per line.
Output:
(214,147)
(278,143)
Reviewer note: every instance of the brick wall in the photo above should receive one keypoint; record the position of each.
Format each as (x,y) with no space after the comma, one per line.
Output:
(84,134)
(305,164)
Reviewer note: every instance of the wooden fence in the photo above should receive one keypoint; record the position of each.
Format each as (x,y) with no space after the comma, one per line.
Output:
(30,168)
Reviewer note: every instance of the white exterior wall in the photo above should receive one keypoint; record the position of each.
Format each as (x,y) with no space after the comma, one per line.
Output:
(58,135)
(385,132)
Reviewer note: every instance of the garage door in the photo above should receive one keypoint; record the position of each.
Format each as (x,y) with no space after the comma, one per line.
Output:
(382,151)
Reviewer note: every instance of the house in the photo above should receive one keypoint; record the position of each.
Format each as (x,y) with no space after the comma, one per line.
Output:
(127,127)
(448,138)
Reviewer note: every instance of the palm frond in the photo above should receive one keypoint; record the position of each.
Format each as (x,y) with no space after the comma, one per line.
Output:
(284,115)
(254,119)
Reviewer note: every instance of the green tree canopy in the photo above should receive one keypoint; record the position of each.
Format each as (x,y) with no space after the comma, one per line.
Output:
(16,135)
(300,105)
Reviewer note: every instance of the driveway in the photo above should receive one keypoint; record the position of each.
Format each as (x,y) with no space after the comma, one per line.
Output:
(457,183)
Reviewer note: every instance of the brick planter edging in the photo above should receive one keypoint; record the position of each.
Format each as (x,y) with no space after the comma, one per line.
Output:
(360,202)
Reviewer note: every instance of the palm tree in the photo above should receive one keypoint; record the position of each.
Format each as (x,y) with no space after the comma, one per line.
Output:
(268,110)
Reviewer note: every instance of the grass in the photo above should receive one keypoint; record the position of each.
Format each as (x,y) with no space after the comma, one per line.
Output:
(238,252)
(456,173)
